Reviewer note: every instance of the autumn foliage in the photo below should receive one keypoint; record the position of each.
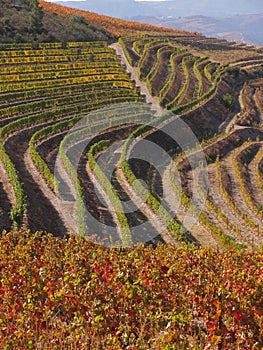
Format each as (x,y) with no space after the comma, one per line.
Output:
(115,26)
(70,294)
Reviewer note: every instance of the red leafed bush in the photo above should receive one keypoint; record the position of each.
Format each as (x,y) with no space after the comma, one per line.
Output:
(67,293)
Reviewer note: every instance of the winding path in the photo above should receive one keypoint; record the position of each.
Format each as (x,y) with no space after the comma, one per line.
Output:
(133,72)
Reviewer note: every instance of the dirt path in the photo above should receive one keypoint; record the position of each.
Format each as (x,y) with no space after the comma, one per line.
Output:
(154,101)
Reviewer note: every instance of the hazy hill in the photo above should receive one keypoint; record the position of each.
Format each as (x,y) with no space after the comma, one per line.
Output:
(228,19)
(247,28)
(174,8)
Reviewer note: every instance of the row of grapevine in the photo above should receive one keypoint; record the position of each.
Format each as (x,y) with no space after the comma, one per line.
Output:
(22,69)
(239,175)
(171,77)
(54,52)
(258,161)
(59,74)
(37,106)
(86,44)
(177,98)
(105,54)
(156,65)
(199,75)
(138,45)
(61,82)
(148,46)
(7,98)
(50,45)
(224,193)
(129,59)
(203,217)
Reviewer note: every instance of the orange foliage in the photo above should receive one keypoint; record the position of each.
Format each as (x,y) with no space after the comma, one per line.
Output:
(115,26)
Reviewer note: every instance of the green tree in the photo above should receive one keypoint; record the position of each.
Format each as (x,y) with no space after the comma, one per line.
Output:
(228,100)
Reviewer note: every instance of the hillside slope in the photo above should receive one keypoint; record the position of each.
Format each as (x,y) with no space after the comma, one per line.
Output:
(115,26)
(25,21)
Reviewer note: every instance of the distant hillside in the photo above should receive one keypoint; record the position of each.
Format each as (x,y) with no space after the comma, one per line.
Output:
(234,20)
(247,28)
(115,26)
(25,21)
(126,9)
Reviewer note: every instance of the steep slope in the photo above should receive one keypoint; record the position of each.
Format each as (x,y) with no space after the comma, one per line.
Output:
(115,26)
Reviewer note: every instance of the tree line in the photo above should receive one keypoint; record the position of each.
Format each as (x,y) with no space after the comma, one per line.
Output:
(25,21)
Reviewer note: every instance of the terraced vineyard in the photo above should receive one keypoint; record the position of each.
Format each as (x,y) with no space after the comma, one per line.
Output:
(44,92)
(74,118)
(222,102)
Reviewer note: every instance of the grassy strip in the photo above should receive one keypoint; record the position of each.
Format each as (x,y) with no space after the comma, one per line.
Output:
(124,48)
(258,158)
